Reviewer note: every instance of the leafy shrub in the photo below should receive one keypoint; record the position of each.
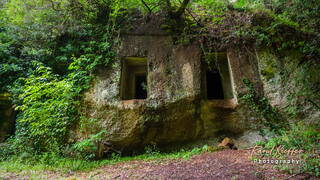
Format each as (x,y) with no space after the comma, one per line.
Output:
(48,100)
(306,13)
(304,137)
(90,148)
(48,109)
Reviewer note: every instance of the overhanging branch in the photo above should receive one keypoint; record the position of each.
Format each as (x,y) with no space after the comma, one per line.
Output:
(146,5)
(182,8)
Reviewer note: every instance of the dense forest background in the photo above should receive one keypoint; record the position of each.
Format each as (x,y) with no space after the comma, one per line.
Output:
(49,50)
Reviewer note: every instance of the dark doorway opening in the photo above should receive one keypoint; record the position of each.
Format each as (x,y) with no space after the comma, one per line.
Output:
(141,87)
(214,85)
(134,78)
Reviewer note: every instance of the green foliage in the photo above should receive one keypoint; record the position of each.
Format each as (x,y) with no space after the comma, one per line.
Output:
(89,148)
(48,161)
(301,136)
(11,67)
(305,80)
(48,109)
(305,12)
(47,102)
(54,162)
(308,79)
(249,4)
(50,32)
(210,10)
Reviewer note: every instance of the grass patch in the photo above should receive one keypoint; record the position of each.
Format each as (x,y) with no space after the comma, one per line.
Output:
(52,162)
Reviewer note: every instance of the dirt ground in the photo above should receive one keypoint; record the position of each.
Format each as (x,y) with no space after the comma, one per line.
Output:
(221,165)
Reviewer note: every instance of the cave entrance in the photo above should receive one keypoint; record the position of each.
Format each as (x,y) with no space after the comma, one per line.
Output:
(134,78)
(7,117)
(214,85)
(216,78)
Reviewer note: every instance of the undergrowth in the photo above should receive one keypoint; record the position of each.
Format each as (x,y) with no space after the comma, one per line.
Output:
(300,136)
(48,103)
(292,135)
(54,162)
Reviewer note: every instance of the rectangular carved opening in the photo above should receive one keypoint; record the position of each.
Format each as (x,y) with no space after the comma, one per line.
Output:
(216,78)
(134,78)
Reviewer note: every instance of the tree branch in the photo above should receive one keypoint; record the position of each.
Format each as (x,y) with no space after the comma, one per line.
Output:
(146,5)
(194,18)
(182,8)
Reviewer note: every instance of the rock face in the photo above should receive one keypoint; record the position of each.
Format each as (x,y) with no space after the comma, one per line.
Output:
(291,83)
(7,117)
(177,107)
(248,139)
(174,111)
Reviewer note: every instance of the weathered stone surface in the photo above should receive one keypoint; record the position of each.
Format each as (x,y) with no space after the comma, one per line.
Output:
(248,139)
(244,65)
(175,110)
(291,85)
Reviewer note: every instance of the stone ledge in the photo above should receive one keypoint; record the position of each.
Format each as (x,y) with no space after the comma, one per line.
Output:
(221,103)
(132,103)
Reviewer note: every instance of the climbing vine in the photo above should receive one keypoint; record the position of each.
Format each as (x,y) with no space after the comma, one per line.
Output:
(270,116)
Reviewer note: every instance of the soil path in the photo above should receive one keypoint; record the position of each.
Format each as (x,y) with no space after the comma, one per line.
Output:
(227,164)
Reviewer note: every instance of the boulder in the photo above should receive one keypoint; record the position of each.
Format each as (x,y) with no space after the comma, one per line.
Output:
(249,139)
(227,143)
